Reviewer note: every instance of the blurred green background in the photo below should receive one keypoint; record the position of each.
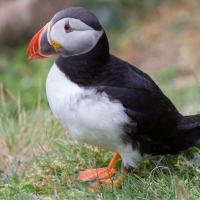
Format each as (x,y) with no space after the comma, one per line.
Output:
(160,37)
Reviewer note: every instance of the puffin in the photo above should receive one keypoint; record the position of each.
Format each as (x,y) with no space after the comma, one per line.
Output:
(103,100)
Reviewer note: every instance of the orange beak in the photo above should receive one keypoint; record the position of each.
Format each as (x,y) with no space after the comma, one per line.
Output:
(41,45)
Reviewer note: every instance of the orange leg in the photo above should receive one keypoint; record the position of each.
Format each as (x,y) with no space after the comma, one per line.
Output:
(107,182)
(100,173)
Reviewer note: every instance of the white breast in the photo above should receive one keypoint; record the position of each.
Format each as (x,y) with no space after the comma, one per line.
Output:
(88,116)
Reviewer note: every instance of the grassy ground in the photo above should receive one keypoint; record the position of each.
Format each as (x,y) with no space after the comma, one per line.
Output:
(39,160)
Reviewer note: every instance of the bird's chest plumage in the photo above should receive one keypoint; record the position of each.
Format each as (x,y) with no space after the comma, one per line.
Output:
(87,115)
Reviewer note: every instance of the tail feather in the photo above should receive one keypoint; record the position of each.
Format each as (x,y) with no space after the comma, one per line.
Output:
(187,135)
(188,122)
(178,143)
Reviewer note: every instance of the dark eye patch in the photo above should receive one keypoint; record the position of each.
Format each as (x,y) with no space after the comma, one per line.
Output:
(68,28)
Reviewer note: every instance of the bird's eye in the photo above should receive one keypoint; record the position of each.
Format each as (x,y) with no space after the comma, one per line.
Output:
(68,28)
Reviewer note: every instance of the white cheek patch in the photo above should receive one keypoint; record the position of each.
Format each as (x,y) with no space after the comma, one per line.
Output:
(81,40)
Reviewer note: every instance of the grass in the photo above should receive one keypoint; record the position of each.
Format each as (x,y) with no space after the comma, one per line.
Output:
(39,160)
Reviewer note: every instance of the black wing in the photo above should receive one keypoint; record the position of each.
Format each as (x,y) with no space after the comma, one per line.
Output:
(144,102)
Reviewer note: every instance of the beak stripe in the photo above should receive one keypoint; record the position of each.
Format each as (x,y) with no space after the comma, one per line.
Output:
(48,32)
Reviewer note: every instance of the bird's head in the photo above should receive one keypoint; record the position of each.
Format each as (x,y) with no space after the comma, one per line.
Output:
(72,31)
